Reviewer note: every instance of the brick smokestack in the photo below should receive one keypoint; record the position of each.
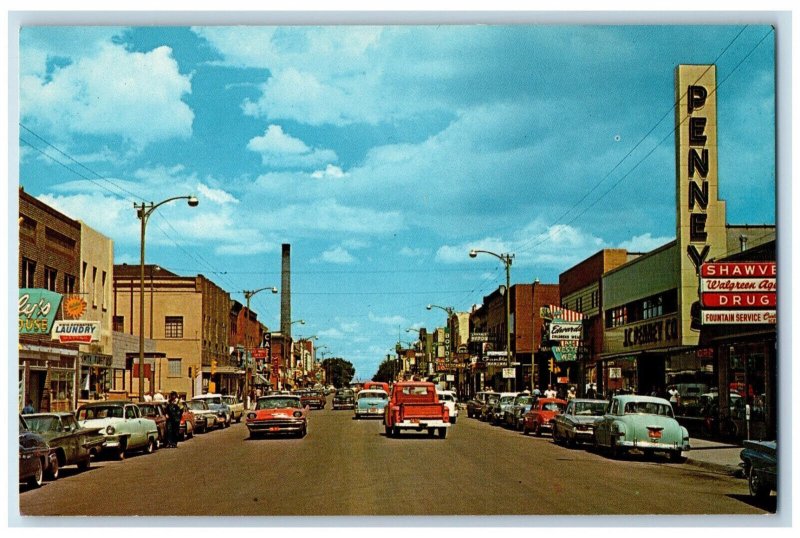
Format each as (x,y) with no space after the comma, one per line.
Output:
(286,290)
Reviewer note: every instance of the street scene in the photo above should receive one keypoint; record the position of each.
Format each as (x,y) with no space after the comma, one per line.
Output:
(532,268)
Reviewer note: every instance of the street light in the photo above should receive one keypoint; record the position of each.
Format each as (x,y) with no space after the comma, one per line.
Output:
(143,212)
(247,294)
(506,259)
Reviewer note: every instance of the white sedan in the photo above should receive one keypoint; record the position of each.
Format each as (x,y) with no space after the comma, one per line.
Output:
(449,399)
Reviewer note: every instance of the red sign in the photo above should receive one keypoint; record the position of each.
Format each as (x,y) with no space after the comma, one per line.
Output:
(147,372)
(259,353)
(739,300)
(741,270)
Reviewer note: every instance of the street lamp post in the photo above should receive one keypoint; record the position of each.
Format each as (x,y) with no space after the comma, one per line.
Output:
(450,311)
(506,259)
(247,295)
(143,211)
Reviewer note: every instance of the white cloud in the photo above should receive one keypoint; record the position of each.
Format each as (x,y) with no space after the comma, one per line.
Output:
(388,320)
(644,243)
(410,252)
(217,196)
(330,171)
(137,96)
(279,149)
(337,255)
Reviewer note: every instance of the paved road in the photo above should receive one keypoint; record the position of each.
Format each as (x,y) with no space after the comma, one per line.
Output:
(348,467)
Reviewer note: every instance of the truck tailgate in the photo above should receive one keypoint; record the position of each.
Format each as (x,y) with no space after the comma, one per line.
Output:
(410,411)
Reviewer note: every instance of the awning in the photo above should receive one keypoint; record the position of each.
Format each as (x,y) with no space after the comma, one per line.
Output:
(259,379)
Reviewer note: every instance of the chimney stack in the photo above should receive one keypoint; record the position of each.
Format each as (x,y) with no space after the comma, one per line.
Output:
(286,291)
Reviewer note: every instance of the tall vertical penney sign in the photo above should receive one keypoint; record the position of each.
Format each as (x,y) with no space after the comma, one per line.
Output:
(701,231)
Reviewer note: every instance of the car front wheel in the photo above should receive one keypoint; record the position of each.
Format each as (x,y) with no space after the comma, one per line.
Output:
(756,484)
(37,479)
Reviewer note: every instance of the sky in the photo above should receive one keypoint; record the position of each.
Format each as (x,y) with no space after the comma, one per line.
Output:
(383,154)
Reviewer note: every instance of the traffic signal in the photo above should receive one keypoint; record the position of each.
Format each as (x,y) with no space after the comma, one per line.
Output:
(696,313)
(552,365)
(213,366)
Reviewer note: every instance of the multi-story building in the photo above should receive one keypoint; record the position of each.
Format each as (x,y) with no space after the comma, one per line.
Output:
(97,270)
(581,290)
(188,319)
(49,269)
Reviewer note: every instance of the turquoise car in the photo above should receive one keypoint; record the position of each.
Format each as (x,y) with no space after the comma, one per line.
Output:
(370,403)
(644,423)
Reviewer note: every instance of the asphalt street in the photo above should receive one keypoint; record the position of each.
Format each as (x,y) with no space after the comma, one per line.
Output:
(349,467)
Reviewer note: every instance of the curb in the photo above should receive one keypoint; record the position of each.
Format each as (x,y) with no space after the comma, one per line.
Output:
(721,468)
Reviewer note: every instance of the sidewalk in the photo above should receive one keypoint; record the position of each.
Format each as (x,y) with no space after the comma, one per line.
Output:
(718,457)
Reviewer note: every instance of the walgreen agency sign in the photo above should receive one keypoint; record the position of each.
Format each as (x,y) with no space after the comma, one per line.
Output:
(37,310)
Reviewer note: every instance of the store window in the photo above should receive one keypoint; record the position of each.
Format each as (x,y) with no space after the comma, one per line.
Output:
(61,390)
(747,381)
(692,373)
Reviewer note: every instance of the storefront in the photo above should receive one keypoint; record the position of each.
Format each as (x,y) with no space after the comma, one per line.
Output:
(96,376)
(47,377)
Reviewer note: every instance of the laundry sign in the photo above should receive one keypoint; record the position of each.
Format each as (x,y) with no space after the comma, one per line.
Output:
(70,332)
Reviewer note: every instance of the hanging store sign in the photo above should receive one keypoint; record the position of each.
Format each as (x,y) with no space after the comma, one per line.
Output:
(70,332)
(509,373)
(37,310)
(259,353)
(560,330)
(479,337)
(567,351)
(738,293)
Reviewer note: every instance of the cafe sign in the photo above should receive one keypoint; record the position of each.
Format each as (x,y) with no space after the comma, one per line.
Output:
(71,332)
(37,310)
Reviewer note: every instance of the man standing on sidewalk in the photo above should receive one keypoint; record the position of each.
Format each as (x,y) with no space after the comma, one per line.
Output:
(174,413)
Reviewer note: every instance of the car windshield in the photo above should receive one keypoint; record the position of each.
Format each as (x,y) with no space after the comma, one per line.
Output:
(553,406)
(593,409)
(648,408)
(525,400)
(446,396)
(149,410)
(506,400)
(278,403)
(196,405)
(374,394)
(415,390)
(43,424)
(344,394)
(97,411)
(492,399)
(213,399)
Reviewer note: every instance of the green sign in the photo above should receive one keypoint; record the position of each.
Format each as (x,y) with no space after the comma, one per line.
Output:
(37,310)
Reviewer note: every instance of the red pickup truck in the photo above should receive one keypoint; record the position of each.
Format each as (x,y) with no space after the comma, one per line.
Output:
(414,405)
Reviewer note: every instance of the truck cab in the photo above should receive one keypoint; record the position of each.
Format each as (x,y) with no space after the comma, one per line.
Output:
(415,406)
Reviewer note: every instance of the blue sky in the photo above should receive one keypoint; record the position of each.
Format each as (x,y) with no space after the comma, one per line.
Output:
(382,154)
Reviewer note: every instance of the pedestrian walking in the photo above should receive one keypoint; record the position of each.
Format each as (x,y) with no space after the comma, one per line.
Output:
(174,413)
(571,393)
(550,392)
(591,393)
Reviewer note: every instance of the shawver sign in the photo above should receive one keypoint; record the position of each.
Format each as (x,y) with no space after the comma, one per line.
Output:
(743,292)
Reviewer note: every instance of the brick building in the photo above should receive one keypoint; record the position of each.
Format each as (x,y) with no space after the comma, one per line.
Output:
(49,266)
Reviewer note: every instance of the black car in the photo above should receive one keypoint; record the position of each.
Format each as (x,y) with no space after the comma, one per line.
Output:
(344,399)
(36,459)
(760,463)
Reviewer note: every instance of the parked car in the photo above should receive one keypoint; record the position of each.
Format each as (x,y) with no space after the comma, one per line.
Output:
(645,423)
(497,411)
(122,424)
(236,406)
(514,413)
(380,385)
(760,465)
(344,399)
(414,405)
(188,422)
(278,414)
(448,398)
(576,423)
(204,417)
(475,404)
(313,398)
(488,405)
(157,412)
(36,459)
(219,407)
(72,444)
(542,415)
(370,403)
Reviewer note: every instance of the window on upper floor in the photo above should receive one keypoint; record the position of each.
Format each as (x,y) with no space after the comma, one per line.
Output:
(50,276)
(69,283)
(173,327)
(27,274)
(118,324)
